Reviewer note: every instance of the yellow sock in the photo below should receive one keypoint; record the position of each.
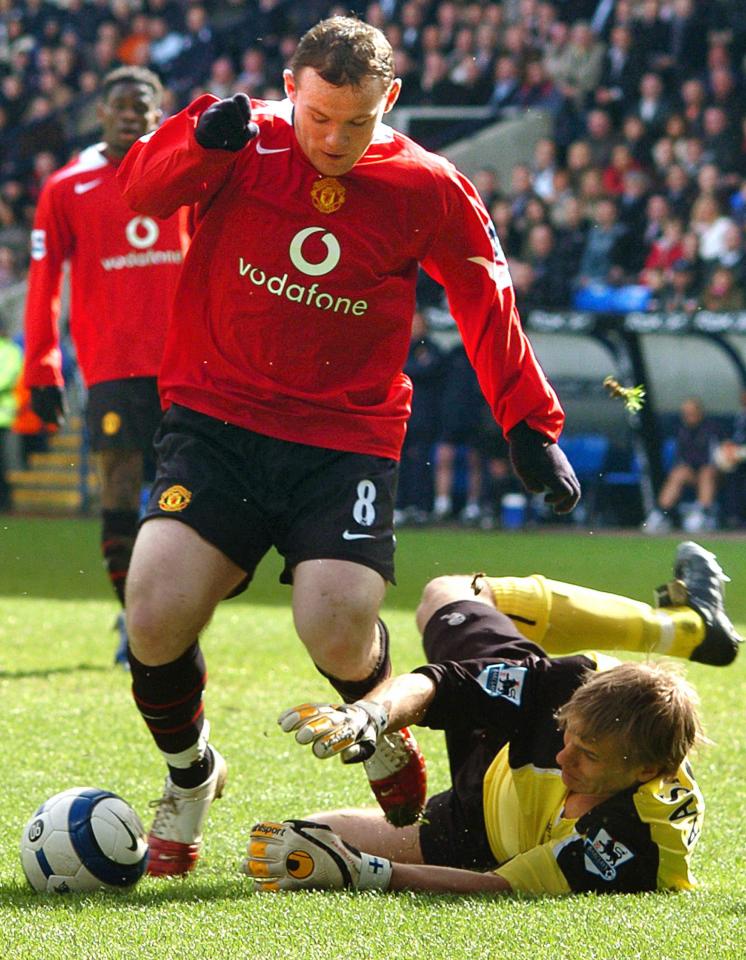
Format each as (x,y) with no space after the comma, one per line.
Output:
(563,618)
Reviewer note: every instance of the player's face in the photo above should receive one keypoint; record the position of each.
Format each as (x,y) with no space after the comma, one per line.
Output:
(598,768)
(334,125)
(128,112)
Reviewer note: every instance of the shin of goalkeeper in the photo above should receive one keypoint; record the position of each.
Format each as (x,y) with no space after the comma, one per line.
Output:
(484,672)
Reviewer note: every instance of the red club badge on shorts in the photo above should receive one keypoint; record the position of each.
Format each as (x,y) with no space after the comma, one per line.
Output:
(328,194)
(174,499)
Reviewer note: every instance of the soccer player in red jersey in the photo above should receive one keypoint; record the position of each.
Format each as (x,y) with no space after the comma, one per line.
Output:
(286,401)
(123,272)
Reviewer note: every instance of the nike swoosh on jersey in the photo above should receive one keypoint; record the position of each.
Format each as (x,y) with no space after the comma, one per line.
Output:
(85,187)
(346,535)
(498,271)
(261,149)
(133,838)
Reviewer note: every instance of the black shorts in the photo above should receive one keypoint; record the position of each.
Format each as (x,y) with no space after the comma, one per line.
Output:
(453,832)
(124,415)
(245,492)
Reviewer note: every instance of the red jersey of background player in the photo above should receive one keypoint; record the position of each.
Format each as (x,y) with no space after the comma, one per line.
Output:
(124,270)
(294,307)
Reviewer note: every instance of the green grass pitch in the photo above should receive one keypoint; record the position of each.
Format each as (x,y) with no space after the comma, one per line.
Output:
(67,719)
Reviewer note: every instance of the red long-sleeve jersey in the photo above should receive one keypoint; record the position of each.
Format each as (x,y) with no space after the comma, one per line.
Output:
(294,307)
(123,273)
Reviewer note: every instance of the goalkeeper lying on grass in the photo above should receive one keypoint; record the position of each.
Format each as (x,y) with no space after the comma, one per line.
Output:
(569,773)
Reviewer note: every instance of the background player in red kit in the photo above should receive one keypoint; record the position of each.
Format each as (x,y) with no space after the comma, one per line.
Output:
(123,272)
(286,400)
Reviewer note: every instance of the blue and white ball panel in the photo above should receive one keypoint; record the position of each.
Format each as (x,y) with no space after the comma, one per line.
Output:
(83,839)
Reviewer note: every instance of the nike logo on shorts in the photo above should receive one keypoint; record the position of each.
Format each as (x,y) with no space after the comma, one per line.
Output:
(261,149)
(85,187)
(346,535)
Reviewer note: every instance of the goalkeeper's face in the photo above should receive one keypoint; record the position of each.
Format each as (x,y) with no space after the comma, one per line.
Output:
(334,125)
(600,767)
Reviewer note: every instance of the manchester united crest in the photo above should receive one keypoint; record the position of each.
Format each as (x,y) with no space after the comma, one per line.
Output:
(328,194)
(111,423)
(175,499)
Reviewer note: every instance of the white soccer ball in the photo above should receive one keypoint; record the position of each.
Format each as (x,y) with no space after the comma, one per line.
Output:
(83,839)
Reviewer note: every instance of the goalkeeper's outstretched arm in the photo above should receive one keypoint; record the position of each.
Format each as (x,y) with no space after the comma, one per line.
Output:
(350,731)
(305,855)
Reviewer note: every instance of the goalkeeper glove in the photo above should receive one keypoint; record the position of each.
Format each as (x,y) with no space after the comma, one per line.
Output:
(303,855)
(48,403)
(349,731)
(226,125)
(540,464)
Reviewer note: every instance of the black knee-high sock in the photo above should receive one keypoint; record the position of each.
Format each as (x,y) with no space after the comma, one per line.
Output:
(351,690)
(118,531)
(169,698)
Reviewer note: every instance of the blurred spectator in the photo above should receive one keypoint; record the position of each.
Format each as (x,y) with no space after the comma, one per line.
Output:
(680,291)
(426,369)
(721,291)
(486,180)
(571,231)
(578,74)
(687,39)
(544,168)
(222,80)
(550,285)
(605,254)
(9,271)
(652,106)
(668,248)
(651,35)
(501,212)
(730,460)
(459,434)
(11,361)
(678,191)
(253,76)
(710,227)
(621,161)
(719,145)
(693,99)
(192,65)
(620,74)
(600,137)
(696,439)
(506,84)
(733,253)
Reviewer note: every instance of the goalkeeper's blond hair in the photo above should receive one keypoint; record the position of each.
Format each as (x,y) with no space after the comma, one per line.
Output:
(651,707)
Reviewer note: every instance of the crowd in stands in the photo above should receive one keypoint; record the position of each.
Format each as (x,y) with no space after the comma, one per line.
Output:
(641,188)
(643,181)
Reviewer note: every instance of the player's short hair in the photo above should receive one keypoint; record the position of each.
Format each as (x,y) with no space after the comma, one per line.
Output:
(345,51)
(650,707)
(132,75)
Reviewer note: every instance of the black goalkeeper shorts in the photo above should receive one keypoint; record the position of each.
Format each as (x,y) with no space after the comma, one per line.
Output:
(245,492)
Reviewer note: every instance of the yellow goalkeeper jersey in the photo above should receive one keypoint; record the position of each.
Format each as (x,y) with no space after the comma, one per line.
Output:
(639,839)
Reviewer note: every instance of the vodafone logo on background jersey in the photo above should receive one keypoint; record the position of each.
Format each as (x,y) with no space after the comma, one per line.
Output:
(141,234)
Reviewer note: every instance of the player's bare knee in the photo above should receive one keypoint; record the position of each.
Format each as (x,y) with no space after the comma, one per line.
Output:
(437,594)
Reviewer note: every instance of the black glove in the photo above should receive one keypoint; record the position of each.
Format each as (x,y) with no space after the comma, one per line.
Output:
(226,125)
(48,403)
(540,464)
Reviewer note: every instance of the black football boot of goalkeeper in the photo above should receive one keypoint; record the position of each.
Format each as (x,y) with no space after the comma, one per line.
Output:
(699,585)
